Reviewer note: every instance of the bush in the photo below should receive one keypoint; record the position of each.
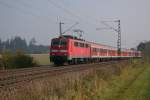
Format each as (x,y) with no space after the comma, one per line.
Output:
(1,64)
(17,60)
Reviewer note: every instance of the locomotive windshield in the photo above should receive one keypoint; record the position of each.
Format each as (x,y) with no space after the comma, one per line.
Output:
(59,42)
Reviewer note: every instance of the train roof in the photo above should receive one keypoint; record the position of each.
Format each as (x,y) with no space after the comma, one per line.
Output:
(106,46)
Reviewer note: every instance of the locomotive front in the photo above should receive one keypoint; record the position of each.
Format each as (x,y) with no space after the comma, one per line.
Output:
(58,50)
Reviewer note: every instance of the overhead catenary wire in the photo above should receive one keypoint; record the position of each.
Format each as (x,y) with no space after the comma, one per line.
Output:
(13,7)
(51,2)
(71,27)
(23,11)
(95,19)
(64,9)
(71,13)
(35,15)
(37,9)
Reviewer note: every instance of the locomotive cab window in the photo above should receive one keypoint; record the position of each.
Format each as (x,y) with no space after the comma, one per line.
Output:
(63,43)
(60,42)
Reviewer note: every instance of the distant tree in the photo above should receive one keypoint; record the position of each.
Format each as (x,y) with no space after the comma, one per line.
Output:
(1,46)
(34,48)
(18,44)
(32,42)
(141,46)
(6,45)
(144,47)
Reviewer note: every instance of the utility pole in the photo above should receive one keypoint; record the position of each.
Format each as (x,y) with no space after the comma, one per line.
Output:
(118,30)
(60,28)
(119,38)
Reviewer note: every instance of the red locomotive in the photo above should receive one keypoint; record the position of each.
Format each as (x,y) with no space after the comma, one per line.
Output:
(72,50)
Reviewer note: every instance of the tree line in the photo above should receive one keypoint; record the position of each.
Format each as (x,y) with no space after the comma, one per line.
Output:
(19,44)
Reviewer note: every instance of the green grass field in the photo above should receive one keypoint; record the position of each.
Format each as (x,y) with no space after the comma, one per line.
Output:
(41,59)
(139,89)
(132,84)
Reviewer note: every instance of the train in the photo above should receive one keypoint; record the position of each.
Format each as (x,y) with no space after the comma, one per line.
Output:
(67,49)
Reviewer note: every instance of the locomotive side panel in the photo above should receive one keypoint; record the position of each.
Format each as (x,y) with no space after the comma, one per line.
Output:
(78,50)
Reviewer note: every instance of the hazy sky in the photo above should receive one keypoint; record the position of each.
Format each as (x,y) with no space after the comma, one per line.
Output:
(40,18)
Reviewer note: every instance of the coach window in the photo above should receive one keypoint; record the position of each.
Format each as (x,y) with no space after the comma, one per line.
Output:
(76,44)
(81,44)
(86,45)
(111,51)
(102,50)
(96,49)
(105,50)
(93,49)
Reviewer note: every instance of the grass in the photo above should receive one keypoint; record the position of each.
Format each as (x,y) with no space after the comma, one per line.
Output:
(120,86)
(140,88)
(123,81)
(42,59)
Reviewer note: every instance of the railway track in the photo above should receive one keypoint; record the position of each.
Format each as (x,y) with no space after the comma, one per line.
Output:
(14,78)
